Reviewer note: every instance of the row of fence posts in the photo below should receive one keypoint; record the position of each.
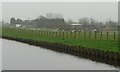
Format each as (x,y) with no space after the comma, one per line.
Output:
(72,34)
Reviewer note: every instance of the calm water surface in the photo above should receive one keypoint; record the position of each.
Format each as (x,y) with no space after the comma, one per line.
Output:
(20,56)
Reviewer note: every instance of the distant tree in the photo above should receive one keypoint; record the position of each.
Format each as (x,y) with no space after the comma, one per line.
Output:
(57,16)
(112,25)
(84,21)
(18,21)
(12,21)
(53,16)
(2,22)
(49,15)
(41,17)
(69,21)
(95,25)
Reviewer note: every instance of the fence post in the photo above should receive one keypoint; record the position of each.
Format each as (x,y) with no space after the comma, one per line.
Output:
(114,36)
(46,33)
(53,34)
(60,34)
(70,34)
(49,33)
(101,35)
(63,34)
(32,32)
(75,35)
(79,33)
(36,33)
(56,34)
(84,34)
(107,35)
(89,34)
(43,32)
(95,34)
(39,32)
(66,34)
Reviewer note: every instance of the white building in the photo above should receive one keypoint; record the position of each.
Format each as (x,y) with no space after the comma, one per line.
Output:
(76,26)
(18,25)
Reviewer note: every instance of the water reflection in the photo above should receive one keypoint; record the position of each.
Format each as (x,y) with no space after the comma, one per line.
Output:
(19,56)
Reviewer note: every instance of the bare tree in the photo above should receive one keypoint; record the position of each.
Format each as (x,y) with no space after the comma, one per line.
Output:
(84,21)
(53,16)
(57,16)
(41,17)
(12,21)
(49,15)
(69,21)
(18,21)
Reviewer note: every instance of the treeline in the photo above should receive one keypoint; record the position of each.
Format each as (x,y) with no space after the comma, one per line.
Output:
(90,24)
(49,21)
(56,21)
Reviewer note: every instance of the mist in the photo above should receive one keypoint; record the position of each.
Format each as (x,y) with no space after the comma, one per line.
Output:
(100,11)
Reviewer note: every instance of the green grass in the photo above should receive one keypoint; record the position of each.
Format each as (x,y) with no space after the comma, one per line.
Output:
(102,44)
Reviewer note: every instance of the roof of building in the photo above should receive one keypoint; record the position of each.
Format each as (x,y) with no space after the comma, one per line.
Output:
(76,24)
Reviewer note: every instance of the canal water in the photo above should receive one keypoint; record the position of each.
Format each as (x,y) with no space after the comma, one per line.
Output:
(20,56)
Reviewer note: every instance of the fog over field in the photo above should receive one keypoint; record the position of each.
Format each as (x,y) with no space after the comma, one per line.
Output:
(100,11)
(82,29)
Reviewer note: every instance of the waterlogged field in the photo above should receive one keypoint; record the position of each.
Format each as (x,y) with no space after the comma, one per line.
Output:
(107,41)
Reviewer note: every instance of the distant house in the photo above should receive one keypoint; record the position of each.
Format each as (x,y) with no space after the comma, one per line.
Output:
(76,26)
(18,25)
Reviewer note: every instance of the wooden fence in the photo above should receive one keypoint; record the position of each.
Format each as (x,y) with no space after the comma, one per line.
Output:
(76,34)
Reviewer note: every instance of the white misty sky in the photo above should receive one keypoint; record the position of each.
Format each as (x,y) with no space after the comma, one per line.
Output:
(100,11)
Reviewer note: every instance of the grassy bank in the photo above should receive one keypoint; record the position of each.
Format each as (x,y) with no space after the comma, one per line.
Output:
(83,39)
(98,49)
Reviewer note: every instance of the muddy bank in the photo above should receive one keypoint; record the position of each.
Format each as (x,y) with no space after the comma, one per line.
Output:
(107,57)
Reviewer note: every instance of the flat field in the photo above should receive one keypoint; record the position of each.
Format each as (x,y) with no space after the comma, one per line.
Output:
(107,41)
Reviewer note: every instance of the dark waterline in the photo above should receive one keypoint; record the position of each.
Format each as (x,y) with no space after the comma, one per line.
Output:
(21,56)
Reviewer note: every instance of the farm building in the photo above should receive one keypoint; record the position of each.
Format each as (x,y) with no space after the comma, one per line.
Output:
(76,26)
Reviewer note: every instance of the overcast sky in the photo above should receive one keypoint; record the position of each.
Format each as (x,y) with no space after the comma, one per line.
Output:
(100,11)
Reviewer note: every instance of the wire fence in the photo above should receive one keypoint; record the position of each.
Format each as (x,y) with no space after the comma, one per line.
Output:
(91,35)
